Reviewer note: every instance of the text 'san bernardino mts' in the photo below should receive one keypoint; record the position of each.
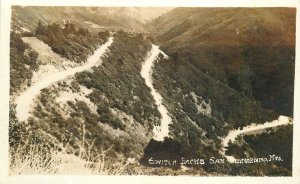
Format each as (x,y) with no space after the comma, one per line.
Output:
(212,160)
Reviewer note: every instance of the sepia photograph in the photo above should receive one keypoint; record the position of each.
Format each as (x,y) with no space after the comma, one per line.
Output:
(151,91)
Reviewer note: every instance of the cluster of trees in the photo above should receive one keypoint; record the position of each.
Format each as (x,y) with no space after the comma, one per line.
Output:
(276,141)
(248,77)
(23,61)
(71,42)
(107,117)
(258,61)
(120,81)
(230,110)
(71,130)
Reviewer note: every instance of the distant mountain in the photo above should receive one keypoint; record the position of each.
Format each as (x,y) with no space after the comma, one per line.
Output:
(115,18)
(143,14)
(226,25)
(249,49)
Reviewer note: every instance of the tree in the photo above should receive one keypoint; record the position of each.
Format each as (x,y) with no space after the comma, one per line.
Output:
(40,30)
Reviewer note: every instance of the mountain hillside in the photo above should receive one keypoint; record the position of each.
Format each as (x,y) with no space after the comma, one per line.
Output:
(117,91)
(250,50)
(95,18)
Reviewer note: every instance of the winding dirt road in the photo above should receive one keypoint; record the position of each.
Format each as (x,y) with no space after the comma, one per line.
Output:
(250,129)
(25,99)
(163,130)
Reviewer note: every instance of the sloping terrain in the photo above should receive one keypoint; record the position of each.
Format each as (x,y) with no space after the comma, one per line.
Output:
(212,70)
(250,50)
(22,58)
(228,68)
(107,107)
(94,18)
(30,16)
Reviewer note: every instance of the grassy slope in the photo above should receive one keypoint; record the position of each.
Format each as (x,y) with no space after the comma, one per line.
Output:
(113,87)
(30,16)
(230,109)
(241,75)
(250,50)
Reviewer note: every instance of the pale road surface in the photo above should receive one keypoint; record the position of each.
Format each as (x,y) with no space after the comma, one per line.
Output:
(232,135)
(25,99)
(162,131)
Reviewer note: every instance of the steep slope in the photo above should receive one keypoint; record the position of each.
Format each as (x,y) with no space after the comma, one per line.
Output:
(108,104)
(94,18)
(106,108)
(228,68)
(203,110)
(224,69)
(22,58)
(25,99)
(85,16)
(145,14)
(163,130)
(250,50)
